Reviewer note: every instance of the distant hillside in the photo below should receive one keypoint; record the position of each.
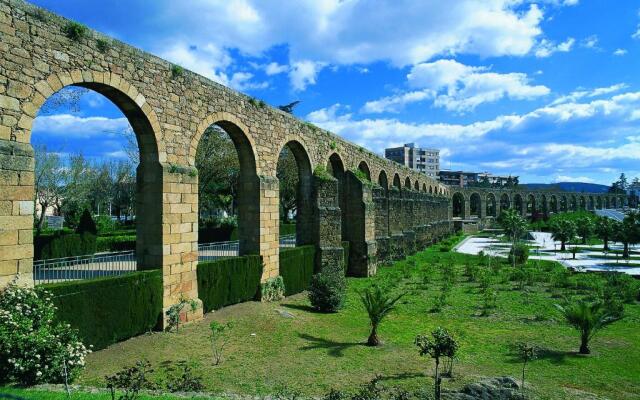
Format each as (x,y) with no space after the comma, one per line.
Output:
(569,187)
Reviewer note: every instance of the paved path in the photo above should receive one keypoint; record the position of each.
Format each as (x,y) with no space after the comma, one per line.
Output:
(613,214)
(546,250)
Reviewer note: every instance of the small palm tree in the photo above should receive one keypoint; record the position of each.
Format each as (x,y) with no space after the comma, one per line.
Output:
(588,319)
(514,226)
(563,230)
(378,305)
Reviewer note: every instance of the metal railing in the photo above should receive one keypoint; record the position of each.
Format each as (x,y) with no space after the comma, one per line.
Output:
(110,264)
(83,267)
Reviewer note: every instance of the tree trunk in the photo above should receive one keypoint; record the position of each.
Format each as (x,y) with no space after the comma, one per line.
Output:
(584,345)
(437,385)
(562,246)
(43,210)
(606,243)
(373,337)
(625,252)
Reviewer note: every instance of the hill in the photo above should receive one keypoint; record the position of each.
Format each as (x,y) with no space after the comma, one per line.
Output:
(569,187)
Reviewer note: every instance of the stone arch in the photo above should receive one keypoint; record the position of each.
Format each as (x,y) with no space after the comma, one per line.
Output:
(573,203)
(424,187)
(531,204)
(518,203)
(564,204)
(475,205)
(396,181)
(430,189)
(248,187)
(151,148)
(335,167)
(304,204)
(458,205)
(591,203)
(491,210)
(416,186)
(599,202)
(505,202)
(544,205)
(582,203)
(364,168)
(407,183)
(553,203)
(383,181)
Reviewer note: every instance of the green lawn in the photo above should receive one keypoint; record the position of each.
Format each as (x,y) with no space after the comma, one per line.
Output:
(312,352)
(41,394)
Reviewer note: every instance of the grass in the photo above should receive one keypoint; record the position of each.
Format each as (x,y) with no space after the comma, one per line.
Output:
(41,394)
(312,353)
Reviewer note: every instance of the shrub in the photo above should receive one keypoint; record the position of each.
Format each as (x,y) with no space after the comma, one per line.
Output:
(272,290)
(74,30)
(328,290)
(105,224)
(102,45)
(219,339)
(34,344)
(61,244)
(87,224)
(296,268)
(229,281)
(185,381)
(176,71)
(108,310)
(116,243)
(130,380)
(521,253)
(173,313)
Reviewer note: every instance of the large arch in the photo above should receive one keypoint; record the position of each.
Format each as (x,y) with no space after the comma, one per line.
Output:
(383,181)
(573,202)
(146,126)
(335,167)
(407,183)
(564,204)
(364,168)
(582,204)
(475,205)
(518,203)
(544,205)
(304,202)
(458,205)
(553,203)
(531,204)
(416,186)
(396,181)
(505,202)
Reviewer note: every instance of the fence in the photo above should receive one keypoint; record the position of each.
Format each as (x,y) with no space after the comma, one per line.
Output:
(109,264)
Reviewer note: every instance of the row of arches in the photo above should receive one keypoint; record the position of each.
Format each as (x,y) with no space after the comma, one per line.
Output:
(480,205)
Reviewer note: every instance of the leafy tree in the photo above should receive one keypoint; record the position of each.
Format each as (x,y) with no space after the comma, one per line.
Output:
(588,319)
(619,186)
(584,228)
(440,344)
(605,228)
(287,173)
(378,305)
(87,224)
(628,232)
(48,182)
(514,226)
(563,230)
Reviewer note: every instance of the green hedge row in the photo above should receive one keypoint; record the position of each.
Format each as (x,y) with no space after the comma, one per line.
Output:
(62,244)
(116,243)
(296,268)
(229,281)
(109,310)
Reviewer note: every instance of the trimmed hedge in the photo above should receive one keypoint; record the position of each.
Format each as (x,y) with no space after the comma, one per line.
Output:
(109,310)
(116,243)
(219,234)
(296,268)
(229,281)
(287,229)
(60,244)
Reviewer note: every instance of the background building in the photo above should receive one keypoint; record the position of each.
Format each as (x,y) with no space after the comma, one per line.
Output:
(426,161)
(481,179)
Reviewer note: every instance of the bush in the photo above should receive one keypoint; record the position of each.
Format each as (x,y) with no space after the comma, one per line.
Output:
(34,344)
(108,310)
(521,252)
(229,281)
(328,290)
(116,243)
(74,30)
(105,224)
(61,244)
(87,224)
(296,268)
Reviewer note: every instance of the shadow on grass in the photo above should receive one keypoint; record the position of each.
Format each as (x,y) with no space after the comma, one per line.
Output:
(401,376)
(554,356)
(334,349)
(301,307)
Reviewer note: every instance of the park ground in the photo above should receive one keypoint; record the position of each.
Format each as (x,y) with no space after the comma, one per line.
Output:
(286,347)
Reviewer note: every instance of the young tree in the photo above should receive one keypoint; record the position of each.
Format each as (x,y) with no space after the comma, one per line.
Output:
(584,228)
(514,226)
(378,305)
(628,232)
(48,182)
(563,230)
(588,319)
(440,344)
(526,352)
(219,339)
(605,228)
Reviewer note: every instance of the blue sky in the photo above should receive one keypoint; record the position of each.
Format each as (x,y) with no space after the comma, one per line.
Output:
(547,90)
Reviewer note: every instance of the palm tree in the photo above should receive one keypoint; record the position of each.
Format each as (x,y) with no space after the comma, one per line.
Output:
(628,232)
(605,228)
(563,230)
(378,305)
(588,319)
(514,226)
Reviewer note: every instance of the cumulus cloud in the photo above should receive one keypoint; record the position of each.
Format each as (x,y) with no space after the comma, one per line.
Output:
(74,126)
(304,73)
(579,94)
(590,42)
(546,48)
(620,52)
(274,68)
(458,87)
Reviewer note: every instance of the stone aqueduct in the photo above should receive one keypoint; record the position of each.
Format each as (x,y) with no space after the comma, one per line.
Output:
(480,203)
(395,212)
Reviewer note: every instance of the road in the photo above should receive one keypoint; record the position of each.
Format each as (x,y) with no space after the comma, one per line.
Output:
(613,214)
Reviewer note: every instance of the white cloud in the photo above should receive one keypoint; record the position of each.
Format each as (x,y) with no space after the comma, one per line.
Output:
(579,94)
(636,34)
(275,68)
(73,126)
(567,178)
(458,87)
(546,48)
(590,42)
(620,52)
(304,73)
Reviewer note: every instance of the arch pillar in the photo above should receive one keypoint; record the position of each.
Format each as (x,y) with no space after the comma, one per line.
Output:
(327,224)
(380,201)
(361,230)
